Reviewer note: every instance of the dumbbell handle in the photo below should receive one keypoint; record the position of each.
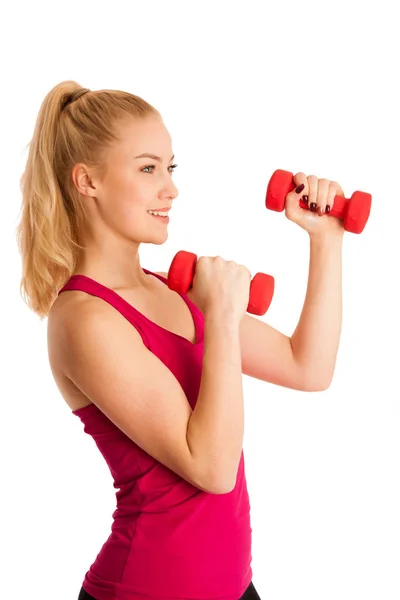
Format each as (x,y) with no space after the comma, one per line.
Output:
(339,207)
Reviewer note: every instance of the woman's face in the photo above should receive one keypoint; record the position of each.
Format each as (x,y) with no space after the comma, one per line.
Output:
(132,184)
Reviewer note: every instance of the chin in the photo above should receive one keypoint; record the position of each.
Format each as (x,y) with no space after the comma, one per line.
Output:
(158,240)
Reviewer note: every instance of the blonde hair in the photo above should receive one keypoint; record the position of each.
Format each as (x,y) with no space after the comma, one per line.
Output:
(71,127)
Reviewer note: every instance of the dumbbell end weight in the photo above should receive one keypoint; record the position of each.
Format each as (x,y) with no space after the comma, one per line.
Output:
(358,211)
(261,293)
(280,184)
(181,271)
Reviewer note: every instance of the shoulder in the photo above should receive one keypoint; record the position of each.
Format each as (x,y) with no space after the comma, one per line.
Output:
(78,319)
(74,308)
(70,307)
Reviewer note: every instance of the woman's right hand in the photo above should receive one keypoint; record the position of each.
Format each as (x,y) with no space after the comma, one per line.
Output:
(221,286)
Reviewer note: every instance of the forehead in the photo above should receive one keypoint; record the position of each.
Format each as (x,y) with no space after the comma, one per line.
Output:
(144,135)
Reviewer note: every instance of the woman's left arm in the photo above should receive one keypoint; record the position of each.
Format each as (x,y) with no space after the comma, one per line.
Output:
(306,360)
(315,341)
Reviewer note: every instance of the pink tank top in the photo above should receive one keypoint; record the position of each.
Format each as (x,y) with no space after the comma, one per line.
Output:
(168,540)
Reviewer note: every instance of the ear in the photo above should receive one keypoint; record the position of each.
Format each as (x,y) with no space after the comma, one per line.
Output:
(83,180)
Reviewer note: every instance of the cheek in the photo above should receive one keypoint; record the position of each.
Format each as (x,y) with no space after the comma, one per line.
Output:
(128,209)
(126,200)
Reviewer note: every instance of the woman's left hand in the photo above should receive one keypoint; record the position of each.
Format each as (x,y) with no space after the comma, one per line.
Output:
(319,194)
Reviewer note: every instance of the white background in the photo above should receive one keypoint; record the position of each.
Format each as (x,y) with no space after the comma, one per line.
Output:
(244,88)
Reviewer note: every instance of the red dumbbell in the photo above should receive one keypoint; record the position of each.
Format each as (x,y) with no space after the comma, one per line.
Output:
(181,275)
(353,211)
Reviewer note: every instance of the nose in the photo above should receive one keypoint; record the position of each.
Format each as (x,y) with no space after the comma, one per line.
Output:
(171,190)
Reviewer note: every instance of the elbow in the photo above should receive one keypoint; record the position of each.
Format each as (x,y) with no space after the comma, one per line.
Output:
(222,487)
(222,484)
(318,379)
(221,490)
(227,489)
(317,388)
(320,384)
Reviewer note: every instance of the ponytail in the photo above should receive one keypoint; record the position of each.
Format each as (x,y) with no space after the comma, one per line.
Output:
(73,125)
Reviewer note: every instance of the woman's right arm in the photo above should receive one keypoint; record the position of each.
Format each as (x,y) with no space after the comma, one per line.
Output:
(104,356)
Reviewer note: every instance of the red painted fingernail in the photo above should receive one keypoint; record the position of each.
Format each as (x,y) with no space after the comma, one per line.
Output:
(300,188)
(328,208)
(313,206)
(305,198)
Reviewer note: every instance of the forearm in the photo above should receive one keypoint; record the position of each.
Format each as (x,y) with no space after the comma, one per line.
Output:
(215,430)
(315,340)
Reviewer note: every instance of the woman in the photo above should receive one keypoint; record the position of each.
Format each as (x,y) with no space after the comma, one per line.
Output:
(156,376)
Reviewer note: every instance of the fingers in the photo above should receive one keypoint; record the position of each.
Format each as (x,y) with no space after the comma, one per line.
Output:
(334,190)
(314,194)
(299,180)
(322,196)
(319,194)
(233,264)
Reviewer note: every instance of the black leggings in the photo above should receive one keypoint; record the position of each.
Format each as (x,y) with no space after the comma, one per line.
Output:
(250,594)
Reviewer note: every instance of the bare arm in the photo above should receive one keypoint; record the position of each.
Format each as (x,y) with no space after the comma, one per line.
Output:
(216,426)
(315,340)
(306,360)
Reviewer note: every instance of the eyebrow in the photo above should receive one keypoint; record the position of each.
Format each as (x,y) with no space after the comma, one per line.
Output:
(153,157)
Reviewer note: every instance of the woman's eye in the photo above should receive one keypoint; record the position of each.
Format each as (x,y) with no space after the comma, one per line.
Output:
(173,167)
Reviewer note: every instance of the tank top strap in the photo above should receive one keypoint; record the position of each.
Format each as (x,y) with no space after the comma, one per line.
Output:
(143,325)
(83,283)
